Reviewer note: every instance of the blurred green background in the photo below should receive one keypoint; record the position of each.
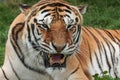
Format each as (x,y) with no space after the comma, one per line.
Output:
(101,14)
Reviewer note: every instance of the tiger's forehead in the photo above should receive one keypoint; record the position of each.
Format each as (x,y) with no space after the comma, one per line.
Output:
(53,3)
(55,11)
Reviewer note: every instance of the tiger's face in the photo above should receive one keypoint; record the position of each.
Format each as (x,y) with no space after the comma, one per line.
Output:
(53,31)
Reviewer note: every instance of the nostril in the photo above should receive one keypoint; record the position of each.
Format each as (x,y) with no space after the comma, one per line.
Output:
(58,48)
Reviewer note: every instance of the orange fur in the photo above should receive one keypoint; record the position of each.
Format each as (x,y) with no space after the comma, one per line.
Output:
(73,62)
(59,36)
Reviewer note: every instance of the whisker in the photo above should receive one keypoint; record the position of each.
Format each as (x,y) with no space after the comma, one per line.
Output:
(81,53)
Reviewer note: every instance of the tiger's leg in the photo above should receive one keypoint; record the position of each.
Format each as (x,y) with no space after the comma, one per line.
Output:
(76,70)
(78,75)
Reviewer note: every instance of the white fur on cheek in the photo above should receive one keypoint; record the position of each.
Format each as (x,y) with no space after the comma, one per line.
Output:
(33,58)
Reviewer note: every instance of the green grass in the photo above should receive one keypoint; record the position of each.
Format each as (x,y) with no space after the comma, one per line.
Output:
(104,77)
(101,14)
(1,55)
(7,14)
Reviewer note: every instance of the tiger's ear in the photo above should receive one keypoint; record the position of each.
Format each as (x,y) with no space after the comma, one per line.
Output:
(82,8)
(25,8)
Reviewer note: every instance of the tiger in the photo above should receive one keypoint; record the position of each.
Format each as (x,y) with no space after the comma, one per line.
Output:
(47,41)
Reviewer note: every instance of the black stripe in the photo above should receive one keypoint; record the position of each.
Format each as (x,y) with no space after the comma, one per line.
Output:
(84,30)
(17,27)
(22,60)
(67,16)
(108,64)
(69,26)
(118,38)
(97,42)
(89,51)
(45,46)
(28,30)
(60,10)
(18,51)
(54,5)
(100,34)
(78,32)
(58,4)
(75,70)
(47,15)
(35,46)
(112,55)
(109,44)
(4,74)
(87,42)
(110,35)
(38,32)
(68,11)
(76,19)
(98,62)
(100,47)
(15,32)
(34,43)
(100,51)
(33,28)
(95,38)
(117,31)
(14,70)
(47,10)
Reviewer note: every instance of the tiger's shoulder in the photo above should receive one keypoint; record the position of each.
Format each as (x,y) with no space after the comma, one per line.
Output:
(19,19)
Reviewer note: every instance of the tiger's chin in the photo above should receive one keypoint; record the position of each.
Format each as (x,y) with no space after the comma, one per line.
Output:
(55,60)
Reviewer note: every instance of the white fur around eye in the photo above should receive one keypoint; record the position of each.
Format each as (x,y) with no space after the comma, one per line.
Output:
(69,20)
(44,20)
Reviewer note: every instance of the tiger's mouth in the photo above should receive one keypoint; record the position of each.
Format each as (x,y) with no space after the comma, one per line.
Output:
(55,60)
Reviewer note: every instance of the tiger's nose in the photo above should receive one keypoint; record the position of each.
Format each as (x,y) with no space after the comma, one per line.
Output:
(58,48)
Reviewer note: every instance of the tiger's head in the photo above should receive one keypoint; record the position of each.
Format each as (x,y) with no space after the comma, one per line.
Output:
(53,31)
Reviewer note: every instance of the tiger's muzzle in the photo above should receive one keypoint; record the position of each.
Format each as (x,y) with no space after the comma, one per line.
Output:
(55,60)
